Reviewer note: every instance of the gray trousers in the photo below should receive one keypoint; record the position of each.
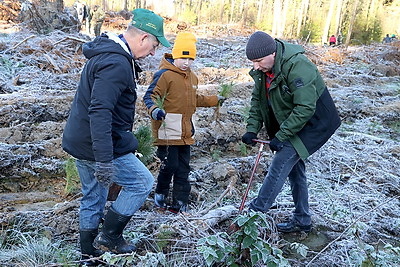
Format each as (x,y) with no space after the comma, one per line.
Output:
(286,163)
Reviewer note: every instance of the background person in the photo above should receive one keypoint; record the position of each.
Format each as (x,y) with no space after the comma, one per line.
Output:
(387,39)
(293,103)
(98,133)
(177,85)
(339,39)
(332,40)
(96,20)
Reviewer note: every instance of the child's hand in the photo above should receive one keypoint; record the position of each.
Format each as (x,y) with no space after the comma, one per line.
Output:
(158,114)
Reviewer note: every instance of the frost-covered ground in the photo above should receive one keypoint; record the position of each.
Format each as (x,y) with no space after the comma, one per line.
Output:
(353,179)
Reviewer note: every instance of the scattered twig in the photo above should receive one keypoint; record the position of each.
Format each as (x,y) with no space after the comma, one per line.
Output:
(23,41)
(228,189)
(52,62)
(70,38)
(192,225)
(372,137)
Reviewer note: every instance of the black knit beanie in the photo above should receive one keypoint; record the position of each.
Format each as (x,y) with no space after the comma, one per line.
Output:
(260,45)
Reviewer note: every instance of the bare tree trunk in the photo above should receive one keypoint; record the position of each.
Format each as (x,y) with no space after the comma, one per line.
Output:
(259,12)
(282,26)
(338,25)
(293,19)
(199,5)
(245,13)
(305,11)
(221,11)
(241,8)
(302,15)
(352,20)
(232,11)
(371,14)
(105,5)
(126,5)
(324,37)
(277,17)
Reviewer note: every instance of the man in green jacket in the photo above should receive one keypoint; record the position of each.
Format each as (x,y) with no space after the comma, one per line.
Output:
(292,101)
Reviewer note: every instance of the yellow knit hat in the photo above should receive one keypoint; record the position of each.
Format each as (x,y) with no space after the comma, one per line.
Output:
(184,46)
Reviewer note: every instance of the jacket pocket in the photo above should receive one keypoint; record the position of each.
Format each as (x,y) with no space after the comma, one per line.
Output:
(171,127)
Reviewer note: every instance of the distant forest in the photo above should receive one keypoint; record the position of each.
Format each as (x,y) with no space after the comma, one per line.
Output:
(357,21)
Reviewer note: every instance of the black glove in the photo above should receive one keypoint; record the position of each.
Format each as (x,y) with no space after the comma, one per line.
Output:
(104,173)
(221,100)
(158,114)
(248,137)
(275,144)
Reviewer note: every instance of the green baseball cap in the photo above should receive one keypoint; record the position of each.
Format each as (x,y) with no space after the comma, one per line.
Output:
(148,21)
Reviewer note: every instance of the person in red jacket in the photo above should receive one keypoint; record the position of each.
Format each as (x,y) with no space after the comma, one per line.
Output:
(332,40)
(176,86)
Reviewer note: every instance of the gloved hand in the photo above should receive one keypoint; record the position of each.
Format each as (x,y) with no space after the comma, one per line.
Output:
(275,144)
(158,114)
(221,100)
(104,173)
(248,137)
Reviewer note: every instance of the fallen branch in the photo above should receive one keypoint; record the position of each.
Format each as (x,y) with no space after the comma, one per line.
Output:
(213,217)
(228,189)
(193,227)
(52,62)
(23,41)
(70,38)
(372,137)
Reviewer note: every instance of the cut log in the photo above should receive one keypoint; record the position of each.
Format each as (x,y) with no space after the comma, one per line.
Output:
(216,216)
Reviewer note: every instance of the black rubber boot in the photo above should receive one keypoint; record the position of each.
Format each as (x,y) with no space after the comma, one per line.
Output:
(110,238)
(86,238)
(293,226)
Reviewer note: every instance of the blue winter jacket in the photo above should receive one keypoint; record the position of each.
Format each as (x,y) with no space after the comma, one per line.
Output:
(99,127)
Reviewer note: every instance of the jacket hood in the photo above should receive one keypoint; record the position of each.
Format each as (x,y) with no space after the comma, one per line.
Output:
(106,43)
(167,62)
(287,50)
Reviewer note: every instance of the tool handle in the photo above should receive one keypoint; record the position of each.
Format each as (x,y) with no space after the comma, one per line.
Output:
(261,141)
(251,177)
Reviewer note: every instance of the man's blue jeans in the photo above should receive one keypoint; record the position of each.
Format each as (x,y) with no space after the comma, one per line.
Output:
(135,179)
(286,163)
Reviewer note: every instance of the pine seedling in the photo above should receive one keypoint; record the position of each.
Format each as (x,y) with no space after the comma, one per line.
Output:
(145,140)
(160,101)
(245,112)
(226,89)
(160,104)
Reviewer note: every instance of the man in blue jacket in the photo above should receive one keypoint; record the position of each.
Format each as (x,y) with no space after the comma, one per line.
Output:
(98,133)
(292,101)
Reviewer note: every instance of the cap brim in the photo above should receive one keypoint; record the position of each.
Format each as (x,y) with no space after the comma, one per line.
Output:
(163,41)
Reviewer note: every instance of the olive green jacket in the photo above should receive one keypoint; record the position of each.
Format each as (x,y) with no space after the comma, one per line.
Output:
(299,101)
